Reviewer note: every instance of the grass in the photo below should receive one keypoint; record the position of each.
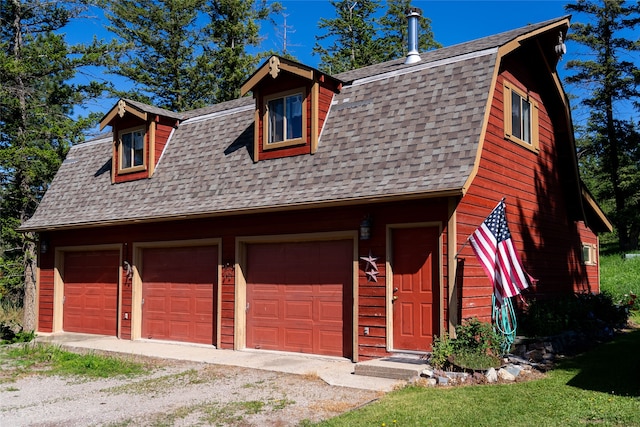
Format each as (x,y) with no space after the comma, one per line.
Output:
(620,276)
(53,360)
(600,387)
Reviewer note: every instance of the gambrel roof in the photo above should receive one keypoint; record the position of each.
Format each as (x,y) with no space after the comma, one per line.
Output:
(394,131)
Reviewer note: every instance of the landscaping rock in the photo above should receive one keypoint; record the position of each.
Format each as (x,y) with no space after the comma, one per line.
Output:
(505,375)
(427,373)
(491,375)
(513,370)
(443,380)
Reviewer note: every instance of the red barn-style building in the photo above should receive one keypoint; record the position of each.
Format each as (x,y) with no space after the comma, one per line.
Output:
(323,214)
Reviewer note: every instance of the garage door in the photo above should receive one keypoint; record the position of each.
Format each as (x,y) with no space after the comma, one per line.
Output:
(299,297)
(91,292)
(178,293)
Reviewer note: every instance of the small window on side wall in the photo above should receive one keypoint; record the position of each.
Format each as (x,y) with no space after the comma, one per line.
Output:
(132,150)
(284,122)
(588,254)
(520,118)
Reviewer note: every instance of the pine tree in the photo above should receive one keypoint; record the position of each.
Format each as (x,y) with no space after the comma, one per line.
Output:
(610,146)
(37,100)
(352,33)
(163,58)
(185,54)
(233,27)
(394,30)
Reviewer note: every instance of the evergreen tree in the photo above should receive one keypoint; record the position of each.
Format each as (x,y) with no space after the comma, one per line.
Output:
(610,146)
(352,34)
(233,26)
(185,54)
(394,29)
(163,52)
(37,100)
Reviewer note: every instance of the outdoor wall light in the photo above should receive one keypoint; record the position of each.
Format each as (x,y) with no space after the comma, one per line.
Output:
(44,246)
(365,228)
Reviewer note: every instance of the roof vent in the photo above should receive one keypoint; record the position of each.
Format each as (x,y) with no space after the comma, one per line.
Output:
(413,15)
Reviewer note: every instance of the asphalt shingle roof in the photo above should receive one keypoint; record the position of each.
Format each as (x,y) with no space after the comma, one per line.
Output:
(393,130)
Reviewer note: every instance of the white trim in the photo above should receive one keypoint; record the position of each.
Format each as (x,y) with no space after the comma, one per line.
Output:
(219,114)
(424,66)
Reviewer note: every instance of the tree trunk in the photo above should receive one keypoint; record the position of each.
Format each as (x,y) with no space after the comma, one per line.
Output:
(30,291)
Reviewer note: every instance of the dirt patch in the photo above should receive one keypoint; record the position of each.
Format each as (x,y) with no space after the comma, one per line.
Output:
(174,394)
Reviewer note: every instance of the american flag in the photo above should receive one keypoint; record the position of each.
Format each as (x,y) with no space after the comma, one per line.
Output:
(494,248)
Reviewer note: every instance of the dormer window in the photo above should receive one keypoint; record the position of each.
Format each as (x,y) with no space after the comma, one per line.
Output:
(132,150)
(292,105)
(140,134)
(285,119)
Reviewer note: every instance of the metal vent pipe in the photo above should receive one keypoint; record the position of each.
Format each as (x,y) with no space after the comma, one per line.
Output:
(413,16)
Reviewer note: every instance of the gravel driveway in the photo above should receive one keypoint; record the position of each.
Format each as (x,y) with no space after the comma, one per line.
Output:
(175,393)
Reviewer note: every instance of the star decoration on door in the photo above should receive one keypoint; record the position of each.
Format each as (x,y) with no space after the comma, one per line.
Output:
(371,269)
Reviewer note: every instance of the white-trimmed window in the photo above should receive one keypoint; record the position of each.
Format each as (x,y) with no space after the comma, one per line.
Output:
(520,117)
(285,119)
(588,254)
(132,150)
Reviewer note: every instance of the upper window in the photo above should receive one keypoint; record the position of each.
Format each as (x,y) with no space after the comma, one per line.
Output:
(588,254)
(521,117)
(132,150)
(284,122)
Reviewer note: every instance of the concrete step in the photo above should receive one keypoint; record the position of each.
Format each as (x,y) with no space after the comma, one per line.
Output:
(397,367)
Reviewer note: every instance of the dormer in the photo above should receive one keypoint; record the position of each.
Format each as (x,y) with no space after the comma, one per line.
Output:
(140,133)
(292,103)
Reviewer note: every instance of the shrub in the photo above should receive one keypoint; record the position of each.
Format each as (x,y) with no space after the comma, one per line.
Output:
(587,313)
(476,346)
(442,349)
(11,330)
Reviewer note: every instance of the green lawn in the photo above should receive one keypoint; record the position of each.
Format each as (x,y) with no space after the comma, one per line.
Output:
(619,276)
(600,387)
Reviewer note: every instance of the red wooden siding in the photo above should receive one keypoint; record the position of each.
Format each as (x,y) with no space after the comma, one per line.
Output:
(592,271)
(324,103)
(45,300)
(163,131)
(372,295)
(538,208)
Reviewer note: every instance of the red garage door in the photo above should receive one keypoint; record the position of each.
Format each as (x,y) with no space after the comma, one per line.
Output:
(91,292)
(299,297)
(178,292)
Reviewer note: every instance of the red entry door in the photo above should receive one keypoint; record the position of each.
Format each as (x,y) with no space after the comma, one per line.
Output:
(415,287)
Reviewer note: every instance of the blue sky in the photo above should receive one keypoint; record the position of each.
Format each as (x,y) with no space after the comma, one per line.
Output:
(452,22)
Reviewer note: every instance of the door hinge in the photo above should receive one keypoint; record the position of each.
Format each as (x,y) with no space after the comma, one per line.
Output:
(142,303)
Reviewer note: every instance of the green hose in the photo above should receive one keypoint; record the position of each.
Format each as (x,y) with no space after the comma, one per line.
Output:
(504,320)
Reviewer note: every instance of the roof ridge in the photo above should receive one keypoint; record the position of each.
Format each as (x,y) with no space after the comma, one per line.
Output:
(420,66)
